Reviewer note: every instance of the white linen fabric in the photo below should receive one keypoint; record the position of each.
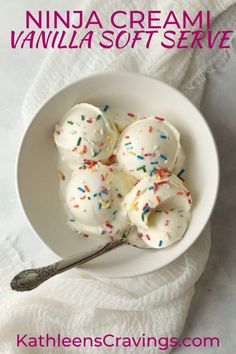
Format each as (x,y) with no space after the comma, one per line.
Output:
(82,305)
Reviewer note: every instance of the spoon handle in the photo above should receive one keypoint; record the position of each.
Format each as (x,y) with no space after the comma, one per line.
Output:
(31,278)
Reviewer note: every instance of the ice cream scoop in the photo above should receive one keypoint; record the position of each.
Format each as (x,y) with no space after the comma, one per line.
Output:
(85,133)
(94,198)
(149,144)
(159,206)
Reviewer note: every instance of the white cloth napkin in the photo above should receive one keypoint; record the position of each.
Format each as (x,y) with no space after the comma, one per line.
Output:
(156,304)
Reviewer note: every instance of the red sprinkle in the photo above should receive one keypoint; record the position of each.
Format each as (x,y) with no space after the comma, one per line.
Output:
(86,188)
(162,182)
(108,225)
(150,129)
(75,148)
(158,200)
(132,115)
(138,193)
(84,149)
(159,118)
(155,186)
(179,193)
(58,132)
(76,206)
(148,237)
(110,158)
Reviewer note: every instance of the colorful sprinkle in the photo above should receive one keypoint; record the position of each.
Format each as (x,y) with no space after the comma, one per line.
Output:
(81,189)
(70,122)
(86,188)
(106,107)
(98,117)
(163,136)
(181,172)
(150,129)
(139,157)
(159,118)
(163,157)
(62,176)
(76,206)
(141,168)
(84,149)
(160,243)
(79,141)
(131,115)
(83,117)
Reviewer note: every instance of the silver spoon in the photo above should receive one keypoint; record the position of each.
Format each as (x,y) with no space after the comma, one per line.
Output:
(31,278)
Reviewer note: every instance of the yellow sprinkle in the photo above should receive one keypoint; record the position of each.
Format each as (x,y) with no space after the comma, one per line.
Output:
(132,153)
(110,138)
(109,181)
(134,206)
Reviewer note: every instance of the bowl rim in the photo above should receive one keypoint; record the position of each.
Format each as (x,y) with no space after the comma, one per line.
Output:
(111,74)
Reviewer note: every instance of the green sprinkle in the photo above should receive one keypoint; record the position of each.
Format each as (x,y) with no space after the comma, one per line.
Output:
(70,122)
(98,117)
(141,168)
(83,117)
(119,195)
(78,142)
(128,143)
(96,153)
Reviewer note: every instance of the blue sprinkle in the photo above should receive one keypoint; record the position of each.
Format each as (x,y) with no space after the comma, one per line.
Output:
(154,163)
(100,206)
(106,107)
(163,157)
(181,172)
(95,195)
(163,136)
(81,189)
(146,210)
(150,188)
(152,171)
(160,243)
(140,157)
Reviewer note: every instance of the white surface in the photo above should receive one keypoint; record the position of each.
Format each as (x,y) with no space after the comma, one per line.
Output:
(213,309)
(38,180)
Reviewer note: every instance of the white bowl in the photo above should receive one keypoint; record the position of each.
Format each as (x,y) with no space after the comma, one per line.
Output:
(37,177)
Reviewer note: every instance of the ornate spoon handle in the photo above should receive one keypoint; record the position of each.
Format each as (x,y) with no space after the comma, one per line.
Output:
(31,278)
